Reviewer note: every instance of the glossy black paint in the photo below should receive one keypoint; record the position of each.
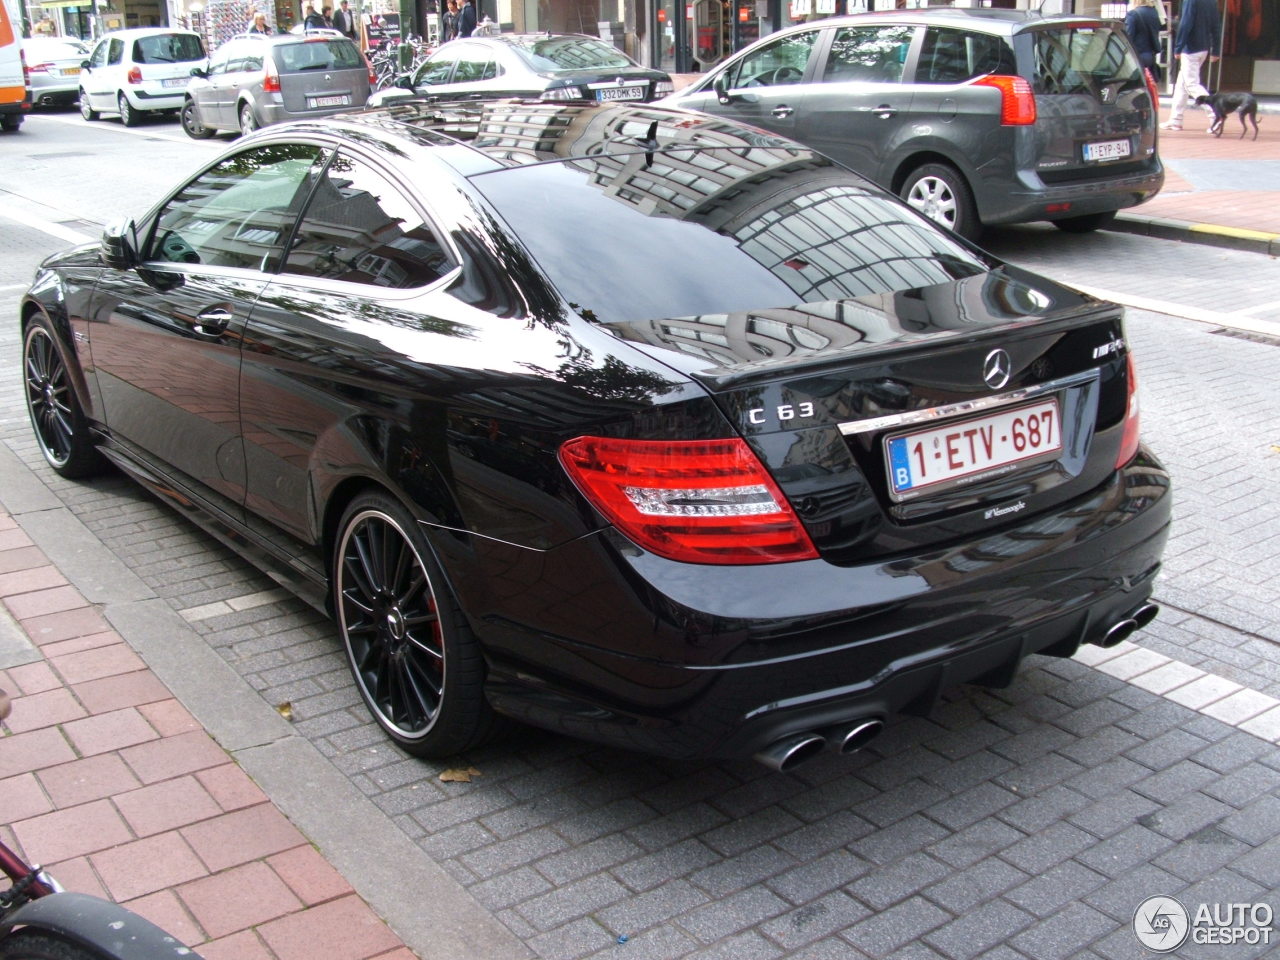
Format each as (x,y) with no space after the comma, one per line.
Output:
(454,397)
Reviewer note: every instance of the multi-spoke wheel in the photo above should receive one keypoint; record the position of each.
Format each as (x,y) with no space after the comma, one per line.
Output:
(415,662)
(248,122)
(129,115)
(941,194)
(59,423)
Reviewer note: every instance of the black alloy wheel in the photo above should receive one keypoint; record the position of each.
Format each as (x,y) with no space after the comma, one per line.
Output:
(414,660)
(56,417)
(191,124)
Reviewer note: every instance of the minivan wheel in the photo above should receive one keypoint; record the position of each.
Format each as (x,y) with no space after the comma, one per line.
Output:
(191,124)
(128,115)
(941,194)
(86,110)
(415,661)
(247,122)
(1086,223)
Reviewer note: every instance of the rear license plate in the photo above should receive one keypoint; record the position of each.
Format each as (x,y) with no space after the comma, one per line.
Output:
(71,71)
(174,82)
(316,102)
(620,93)
(1107,150)
(984,446)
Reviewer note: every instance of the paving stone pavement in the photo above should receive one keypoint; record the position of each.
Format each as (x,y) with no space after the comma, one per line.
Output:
(1027,822)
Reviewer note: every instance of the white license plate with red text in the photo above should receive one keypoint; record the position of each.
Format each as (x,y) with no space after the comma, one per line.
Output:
(958,451)
(1107,150)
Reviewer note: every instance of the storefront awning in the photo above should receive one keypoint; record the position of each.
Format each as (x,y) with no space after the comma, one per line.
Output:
(51,4)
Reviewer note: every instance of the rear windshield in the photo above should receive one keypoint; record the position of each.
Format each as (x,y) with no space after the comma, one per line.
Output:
(168,48)
(1084,60)
(685,233)
(571,53)
(316,55)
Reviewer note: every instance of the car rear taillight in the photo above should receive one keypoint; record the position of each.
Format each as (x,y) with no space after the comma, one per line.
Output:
(1152,89)
(38,68)
(134,75)
(1017,102)
(1129,435)
(697,501)
(562,93)
(270,77)
(663,88)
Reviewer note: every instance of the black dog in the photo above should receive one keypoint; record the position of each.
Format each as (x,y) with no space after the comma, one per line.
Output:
(1222,104)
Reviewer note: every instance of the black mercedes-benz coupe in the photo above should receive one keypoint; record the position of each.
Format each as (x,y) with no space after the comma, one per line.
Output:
(636,424)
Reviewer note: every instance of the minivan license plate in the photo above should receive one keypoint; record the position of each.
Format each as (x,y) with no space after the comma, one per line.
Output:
(1106,150)
(949,454)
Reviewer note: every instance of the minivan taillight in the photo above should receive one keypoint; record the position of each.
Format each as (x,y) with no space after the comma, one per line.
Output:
(270,77)
(135,74)
(1129,435)
(1153,90)
(1017,102)
(697,501)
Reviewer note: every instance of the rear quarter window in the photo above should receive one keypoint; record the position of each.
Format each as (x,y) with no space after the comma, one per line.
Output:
(954,56)
(1083,60)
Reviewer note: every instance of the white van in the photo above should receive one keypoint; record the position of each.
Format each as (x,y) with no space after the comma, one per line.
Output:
(15,88)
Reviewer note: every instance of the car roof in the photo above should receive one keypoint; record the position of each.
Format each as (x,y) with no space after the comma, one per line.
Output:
(134,32)
(987,20)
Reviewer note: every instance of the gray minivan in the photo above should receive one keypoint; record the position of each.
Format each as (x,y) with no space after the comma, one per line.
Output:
(973,116)
(255,80)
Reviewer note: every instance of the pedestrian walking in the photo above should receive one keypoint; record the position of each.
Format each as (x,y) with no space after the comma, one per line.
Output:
(344,21)
(1142,24)
(449,22)
(312,20)
(467,19)
(1195,41)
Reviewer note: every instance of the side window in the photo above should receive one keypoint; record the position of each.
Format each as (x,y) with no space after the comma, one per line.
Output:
(240,212)
(954,56)
(782,62)
(99,57)
(360,228)
(437,69)
(218,64)
(115,52)
(476,67)
(252,63)
(868,54)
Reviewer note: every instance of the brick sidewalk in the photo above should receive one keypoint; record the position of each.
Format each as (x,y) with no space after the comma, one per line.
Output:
(109,782)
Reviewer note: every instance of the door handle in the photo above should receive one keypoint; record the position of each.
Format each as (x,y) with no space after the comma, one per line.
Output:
(212,321)
(782,111)
(884,111)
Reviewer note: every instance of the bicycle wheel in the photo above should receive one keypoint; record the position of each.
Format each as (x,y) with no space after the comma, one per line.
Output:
(29,944)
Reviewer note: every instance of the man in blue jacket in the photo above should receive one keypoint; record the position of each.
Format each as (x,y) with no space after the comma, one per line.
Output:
(1196,40)
(467,19)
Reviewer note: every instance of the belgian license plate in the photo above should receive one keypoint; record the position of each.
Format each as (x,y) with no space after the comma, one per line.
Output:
(174,82)
(1107,150)
(315,102)
(620,93)
(951,454)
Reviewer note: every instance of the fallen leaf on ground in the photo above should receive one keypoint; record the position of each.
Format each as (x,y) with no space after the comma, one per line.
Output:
(459,775)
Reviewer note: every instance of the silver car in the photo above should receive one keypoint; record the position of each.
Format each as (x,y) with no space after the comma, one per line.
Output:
(53,63)
(256,80)
(972,116)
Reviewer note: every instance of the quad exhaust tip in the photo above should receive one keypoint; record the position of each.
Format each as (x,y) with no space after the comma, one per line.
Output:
(789,752)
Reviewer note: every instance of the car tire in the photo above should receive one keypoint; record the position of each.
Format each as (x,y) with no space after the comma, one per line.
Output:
(940,193)
(414,659)
(248,123)
(9,123)
(191,124)
(86,110)
(33,944)
(129,116)
(61,429)
(1086,223)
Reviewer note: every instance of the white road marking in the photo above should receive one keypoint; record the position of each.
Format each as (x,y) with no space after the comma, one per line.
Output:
(51,227)
(1238,320)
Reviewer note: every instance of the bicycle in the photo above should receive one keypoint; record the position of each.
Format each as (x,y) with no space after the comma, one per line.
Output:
(39,920)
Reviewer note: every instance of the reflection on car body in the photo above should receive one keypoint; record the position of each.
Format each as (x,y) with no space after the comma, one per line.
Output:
(622,472)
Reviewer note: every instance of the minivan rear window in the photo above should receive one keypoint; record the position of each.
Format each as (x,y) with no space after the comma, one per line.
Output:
(168,48)
(1084,60)
(317,55)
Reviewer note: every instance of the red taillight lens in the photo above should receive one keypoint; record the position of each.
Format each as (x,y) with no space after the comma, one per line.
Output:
(39,68)
(1129,435)
(135,75)
(1152,89)
(270,78)
(698,501)
(1017,102)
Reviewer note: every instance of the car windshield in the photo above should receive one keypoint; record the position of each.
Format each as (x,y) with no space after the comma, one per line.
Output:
(168,48)
(552,54)
(710,231)
(316,55)
(1084,60)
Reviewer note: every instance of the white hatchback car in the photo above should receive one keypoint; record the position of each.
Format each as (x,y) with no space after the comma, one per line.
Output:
(139,71)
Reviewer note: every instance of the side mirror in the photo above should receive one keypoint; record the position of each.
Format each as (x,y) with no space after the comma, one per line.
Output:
(119,247)
(721,87)
(84,65)
(405,81)
(200,72)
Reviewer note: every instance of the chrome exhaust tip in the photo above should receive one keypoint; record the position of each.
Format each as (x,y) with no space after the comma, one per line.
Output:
(853,737)
(1118,633)
(789,752)
(1145,614)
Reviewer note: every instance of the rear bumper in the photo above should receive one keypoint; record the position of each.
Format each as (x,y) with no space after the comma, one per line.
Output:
(159,98)
(613,644)
(1028,200)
